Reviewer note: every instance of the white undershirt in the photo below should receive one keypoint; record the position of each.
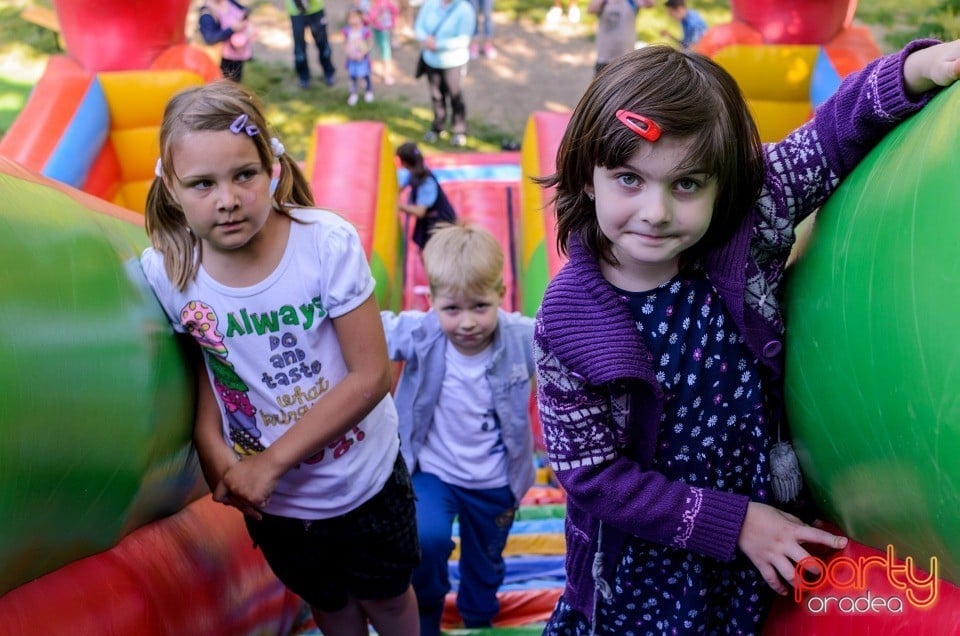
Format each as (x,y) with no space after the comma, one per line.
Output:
(464,447)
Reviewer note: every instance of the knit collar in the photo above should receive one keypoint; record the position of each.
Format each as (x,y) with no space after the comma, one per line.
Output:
(590,328)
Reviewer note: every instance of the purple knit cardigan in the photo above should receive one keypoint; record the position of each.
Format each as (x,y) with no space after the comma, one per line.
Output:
(597,392)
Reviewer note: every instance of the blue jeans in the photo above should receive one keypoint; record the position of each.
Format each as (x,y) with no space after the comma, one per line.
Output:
(485,517)
(317,23)
(484,11)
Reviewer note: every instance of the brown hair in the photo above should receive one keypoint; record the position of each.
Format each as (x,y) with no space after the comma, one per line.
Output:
(211,107)
(689,96)
(412,159)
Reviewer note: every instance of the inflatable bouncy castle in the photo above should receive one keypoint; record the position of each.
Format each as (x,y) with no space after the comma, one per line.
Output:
(789,55)
(105,523)
(92,119)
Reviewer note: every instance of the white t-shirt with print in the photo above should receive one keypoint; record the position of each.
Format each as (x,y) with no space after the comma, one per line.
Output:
(271,351)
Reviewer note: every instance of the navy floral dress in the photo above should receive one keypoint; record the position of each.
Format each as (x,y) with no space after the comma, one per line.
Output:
(714,433)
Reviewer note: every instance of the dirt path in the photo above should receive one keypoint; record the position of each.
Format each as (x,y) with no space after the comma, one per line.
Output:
(538,68)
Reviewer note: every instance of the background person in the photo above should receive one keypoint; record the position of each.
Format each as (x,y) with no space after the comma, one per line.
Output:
(691,22)
(310,14)
(427,201)
(226,23)
(616,27)
(444,29)
(382,17)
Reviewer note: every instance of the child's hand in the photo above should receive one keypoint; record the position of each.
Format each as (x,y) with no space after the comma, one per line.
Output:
(247,485)
(772,540)
(937,65)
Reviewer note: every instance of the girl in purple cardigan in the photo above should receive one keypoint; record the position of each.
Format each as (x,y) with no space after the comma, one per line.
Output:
(659,343)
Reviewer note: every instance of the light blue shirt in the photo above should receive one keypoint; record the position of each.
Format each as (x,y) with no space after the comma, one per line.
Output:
(456,21)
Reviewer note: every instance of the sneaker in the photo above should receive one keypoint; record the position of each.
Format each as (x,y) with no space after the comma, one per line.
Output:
(489,51)
(573,14)
(368,96)
(304,84)
(474,51)
(330,80)
(554,15)
(431,136)
(459,140)
(352,100)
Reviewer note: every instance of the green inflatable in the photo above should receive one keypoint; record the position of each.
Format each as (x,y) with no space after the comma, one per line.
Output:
(95,405)
(873,362)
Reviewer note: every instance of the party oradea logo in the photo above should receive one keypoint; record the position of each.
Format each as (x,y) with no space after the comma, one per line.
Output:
(840,584)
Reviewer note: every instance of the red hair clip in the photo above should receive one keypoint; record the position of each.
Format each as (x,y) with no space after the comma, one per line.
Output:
(643,126)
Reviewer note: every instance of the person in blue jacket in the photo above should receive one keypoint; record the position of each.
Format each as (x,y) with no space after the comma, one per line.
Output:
(463,400)
(692,23)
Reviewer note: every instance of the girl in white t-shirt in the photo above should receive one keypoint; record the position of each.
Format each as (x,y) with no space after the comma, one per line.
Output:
(295,427)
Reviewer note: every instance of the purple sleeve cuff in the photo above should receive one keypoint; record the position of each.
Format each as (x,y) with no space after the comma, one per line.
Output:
(717,524)
(891,88)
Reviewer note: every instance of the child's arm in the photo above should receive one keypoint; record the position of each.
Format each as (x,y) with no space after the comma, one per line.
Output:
(413,209)
(367,382)
(929,68)
(807,166)
(216,457)
(398,331)
(211,31)
(772,540)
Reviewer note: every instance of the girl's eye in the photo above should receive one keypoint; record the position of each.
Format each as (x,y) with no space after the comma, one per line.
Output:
(688,186)
(202,184)
(628,180)
(246,175)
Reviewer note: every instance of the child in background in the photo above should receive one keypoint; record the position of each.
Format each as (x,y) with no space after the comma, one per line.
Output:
(382,16)
(659,344)
(482,41)
(427,202)
(692,23)
(357,43)
(294,425)
(616,27)
(463,398)
(226,22)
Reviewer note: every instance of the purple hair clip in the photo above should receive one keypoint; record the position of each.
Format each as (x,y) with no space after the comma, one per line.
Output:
(239,125)
(643,126)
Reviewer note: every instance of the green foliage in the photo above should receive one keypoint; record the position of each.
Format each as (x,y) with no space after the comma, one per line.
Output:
(26,47)
(921,19)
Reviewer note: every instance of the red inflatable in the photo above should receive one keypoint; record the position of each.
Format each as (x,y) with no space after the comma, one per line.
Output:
(861,590)
(120,35)
(795,21)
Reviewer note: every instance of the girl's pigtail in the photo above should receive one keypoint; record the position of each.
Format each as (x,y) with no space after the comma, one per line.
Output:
(170,235)
(292,185)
